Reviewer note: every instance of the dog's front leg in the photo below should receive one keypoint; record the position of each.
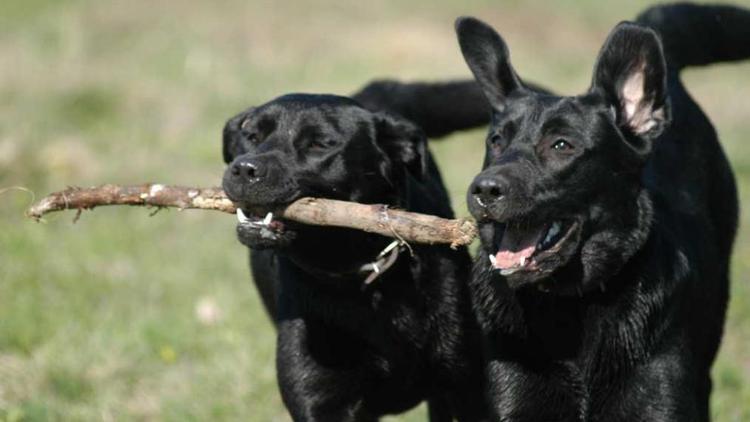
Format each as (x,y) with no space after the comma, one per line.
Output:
(518,394)
(316,385)
(666,388)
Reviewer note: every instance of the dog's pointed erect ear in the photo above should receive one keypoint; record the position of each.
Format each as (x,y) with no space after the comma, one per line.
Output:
(487,56)
(404,143)
(631,73)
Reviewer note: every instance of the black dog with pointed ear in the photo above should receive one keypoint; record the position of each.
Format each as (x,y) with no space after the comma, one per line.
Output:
(554,165)
(348,350)
(606,220)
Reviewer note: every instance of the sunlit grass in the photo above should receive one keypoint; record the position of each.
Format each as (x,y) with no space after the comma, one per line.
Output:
(105,319)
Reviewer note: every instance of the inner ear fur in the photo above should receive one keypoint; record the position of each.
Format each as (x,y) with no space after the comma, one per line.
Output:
(631,73)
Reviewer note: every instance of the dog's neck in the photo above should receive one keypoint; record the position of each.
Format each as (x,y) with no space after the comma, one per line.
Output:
(596,271)
(336,254)
(328,253)
(559,319)
(612,323)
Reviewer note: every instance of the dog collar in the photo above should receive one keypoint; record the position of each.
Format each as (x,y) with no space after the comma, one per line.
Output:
(385,260)
(371,270)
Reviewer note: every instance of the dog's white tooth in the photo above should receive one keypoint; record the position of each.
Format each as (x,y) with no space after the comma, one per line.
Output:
(522,261)
(267,234)
(508,271)
(555,229)
(552,232)
(493,260)
(241,217)
(268,218)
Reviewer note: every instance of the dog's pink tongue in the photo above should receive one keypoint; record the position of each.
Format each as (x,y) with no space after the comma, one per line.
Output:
(516,245)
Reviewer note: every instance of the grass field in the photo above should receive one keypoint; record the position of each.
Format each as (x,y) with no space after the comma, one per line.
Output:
(126,317)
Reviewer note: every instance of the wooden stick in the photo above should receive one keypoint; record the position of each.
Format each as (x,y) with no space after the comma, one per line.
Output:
(409,226)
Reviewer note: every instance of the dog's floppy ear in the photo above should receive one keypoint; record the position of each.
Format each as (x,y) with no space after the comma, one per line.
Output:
(403,141)
(631,73)
(487,56)
(232,136)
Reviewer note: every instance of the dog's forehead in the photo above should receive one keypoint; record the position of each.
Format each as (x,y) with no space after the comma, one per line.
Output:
(532,113)
(306,109)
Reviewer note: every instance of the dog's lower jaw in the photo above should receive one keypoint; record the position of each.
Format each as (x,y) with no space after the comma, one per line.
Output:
(603,248)
(623,241)
(607,250)
(254,237)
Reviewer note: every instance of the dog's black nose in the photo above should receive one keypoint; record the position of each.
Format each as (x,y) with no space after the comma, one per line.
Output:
(487,189)
(246,170)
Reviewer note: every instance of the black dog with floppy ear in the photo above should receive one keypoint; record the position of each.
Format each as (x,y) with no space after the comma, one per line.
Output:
(606,220)
(347,350)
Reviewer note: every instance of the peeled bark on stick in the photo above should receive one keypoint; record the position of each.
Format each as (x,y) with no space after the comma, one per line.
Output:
(409,226)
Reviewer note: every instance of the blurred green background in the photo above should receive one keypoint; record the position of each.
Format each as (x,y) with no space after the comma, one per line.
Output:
(123,316)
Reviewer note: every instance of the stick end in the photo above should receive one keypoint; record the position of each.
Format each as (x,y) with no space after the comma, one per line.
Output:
(34,214)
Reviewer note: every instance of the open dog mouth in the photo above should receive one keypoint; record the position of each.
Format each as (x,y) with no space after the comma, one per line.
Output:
(524,247)
(269,227)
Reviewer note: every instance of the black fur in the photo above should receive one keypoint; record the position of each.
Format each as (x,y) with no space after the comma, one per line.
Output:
(619,316)
(347,351)
(439,108)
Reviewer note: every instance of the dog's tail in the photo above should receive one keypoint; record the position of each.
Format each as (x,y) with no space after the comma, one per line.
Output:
(696,35)
(693,35)
(439,108)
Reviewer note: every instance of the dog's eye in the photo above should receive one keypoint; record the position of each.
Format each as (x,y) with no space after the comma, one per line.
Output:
(321,143)
(562,145)
(248,132)
(496,143)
